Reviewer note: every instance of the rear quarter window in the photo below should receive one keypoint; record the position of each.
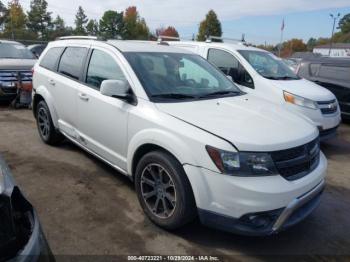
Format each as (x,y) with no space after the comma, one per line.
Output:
(50,59)
(72,62)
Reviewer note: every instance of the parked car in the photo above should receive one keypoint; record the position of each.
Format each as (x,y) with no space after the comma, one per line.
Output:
(21,236)
(261,73)
(291,63)
(16,63)
(37,49)
(189,138)
(333,74)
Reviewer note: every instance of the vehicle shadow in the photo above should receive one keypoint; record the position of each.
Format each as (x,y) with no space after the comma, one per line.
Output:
(335,147)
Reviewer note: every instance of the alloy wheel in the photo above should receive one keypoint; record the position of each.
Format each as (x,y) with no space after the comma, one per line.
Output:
(158,191)
(44,123)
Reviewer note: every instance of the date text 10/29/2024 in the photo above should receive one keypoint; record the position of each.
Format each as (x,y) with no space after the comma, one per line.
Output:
(174,258)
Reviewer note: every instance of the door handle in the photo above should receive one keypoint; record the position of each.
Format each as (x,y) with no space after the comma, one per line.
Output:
(52,82)
(83,97)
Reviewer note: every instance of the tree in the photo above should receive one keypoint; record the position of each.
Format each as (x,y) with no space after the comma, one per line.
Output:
(344,24)
(169,31)
(15,24)
(210,26)
(39,19)
(58,28)
(80,22)
(291,46)
(135,26)
(311,43)
(3,14)
(111,24)
(92,27)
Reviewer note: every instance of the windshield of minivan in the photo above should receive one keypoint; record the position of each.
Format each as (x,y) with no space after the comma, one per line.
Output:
(14,51)
(175,76)
(268,65)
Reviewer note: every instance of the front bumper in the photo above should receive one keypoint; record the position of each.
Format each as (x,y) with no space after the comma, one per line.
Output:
(323,122)
(268,222)
(224,200)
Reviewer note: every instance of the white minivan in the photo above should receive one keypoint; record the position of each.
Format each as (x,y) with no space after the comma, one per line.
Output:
(262,74)
(193,143)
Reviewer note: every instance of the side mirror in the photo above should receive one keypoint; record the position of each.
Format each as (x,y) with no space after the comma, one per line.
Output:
(229,77)
(117,89)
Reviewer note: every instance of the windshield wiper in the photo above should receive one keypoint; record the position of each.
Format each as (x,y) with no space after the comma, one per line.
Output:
(173,96)
(219,93)
(281,77)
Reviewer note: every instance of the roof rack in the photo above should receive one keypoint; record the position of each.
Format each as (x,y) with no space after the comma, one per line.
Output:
(161,38)
(211,38)
(77,37)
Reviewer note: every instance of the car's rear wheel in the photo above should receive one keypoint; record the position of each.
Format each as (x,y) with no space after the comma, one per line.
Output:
(47,130)
(164,191)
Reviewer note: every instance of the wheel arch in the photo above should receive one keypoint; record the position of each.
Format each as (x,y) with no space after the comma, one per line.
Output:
(152,140)
(42,94)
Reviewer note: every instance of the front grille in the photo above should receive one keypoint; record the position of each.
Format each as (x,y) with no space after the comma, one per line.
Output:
(328,107)
(9,80)
(297,162)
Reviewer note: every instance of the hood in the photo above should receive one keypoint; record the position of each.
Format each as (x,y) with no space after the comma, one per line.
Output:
(304,88)
(251,124)
(17,64)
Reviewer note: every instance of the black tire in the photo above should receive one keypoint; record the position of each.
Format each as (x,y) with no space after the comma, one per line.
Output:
(177,214)
(46,129)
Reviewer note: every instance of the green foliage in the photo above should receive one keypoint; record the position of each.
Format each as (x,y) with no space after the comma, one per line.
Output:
(15,23)
(210,26)
(92,28)
(135,27)
(311,43)
(3,14)
(39,19)
(80,22)
(344,24)
(58,28)
(111,24)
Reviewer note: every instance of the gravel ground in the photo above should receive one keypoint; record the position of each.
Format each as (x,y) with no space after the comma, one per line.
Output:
(87,208)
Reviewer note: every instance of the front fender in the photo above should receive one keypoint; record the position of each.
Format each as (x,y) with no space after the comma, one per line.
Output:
(44,93)
(163,139)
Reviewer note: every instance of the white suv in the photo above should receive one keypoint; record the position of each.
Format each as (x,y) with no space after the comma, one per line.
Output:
(193,143)
(264,75)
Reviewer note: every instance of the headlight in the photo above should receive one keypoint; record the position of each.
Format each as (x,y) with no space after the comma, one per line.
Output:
(299,101)
(242,163)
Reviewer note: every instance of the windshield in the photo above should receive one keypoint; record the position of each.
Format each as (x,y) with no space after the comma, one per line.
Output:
(268,65)
(14,51)
(175,76)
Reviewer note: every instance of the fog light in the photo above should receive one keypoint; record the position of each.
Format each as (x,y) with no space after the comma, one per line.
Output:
(259,221)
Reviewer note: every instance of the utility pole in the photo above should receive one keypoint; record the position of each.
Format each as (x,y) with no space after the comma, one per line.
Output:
(334,18)
(280,45)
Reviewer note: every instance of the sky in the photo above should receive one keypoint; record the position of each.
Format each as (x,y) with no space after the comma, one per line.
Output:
(259,20)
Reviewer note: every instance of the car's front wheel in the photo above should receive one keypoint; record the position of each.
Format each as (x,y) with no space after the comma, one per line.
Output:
(46,128)
(164,191)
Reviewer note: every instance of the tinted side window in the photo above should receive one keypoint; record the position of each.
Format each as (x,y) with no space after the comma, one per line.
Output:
(223,60)
(335,72)
(102,67)
(50,59)
(230,66)
(72,62)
